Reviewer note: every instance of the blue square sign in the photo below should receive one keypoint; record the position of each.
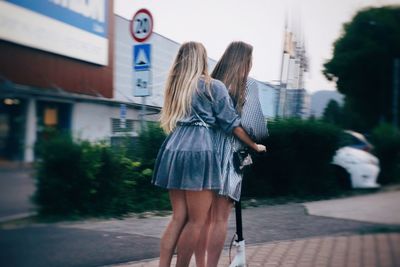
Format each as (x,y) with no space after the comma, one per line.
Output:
(142,57)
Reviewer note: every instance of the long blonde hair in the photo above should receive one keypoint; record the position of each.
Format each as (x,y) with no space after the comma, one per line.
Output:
(190,63)
(233,70)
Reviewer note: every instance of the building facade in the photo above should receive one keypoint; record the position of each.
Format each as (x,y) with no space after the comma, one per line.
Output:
(268,94)
(297,103)
(56,73)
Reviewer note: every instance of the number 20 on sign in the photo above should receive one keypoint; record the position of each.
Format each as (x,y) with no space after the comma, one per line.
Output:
(141,26)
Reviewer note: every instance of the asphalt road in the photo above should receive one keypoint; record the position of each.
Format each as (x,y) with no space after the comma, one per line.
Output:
(46,246)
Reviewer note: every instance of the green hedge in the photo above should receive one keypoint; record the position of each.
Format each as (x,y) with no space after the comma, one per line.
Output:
(297,162)
(386,141)
(149,142)
(81,178)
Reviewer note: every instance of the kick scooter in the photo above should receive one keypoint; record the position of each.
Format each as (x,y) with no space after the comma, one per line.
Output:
(240,258)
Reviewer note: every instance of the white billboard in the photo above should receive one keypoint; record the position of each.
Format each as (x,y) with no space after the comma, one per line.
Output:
(72,28)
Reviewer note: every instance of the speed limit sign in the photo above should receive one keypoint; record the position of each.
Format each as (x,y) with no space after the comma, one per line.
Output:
(141,25)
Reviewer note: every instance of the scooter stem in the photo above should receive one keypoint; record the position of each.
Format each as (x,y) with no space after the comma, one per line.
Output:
(240,257)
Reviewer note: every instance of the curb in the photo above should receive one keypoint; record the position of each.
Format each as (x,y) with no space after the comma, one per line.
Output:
(18,216)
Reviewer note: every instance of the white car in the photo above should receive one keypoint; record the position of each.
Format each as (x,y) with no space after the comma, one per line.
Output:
(355,166)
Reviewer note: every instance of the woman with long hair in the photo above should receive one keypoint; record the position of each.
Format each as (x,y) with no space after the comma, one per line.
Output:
(187,163)
(232,69)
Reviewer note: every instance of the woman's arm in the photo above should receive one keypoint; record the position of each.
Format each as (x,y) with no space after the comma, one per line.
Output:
(245,138)
(227,117)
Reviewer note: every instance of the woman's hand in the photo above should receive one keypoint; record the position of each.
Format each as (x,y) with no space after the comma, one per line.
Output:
(260,148)
(242,135)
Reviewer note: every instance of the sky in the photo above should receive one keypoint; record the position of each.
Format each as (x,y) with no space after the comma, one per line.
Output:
(261,23)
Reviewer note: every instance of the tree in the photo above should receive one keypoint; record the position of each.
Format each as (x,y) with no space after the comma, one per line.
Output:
(333,113)
(362,63)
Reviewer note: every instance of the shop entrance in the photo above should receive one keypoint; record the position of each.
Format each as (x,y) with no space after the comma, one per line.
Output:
(52,117)
(12,128)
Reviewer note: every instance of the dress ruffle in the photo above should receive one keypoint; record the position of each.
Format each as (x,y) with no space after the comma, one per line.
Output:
(188,170)
(187,160)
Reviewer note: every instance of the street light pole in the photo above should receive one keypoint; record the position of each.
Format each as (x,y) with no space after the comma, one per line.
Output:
(396,89)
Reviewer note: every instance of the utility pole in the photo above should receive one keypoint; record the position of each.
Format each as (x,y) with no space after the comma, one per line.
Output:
(280,108)
(396,89)
(142,114)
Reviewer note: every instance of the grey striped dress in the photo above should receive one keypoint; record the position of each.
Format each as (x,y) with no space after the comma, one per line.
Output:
(253,121)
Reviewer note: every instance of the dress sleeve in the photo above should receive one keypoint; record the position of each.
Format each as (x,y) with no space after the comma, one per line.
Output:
(253,120)
(224,112)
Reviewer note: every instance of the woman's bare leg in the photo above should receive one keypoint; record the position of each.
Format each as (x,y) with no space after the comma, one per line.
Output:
(198,205)
(174,228)
(220,211)
(201,248)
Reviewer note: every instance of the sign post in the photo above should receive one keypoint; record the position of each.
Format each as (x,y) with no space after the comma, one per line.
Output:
(141,28)
(122,116)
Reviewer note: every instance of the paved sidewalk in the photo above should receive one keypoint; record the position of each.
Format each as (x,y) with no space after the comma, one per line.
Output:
(16,188)
(377,208)
(368,250)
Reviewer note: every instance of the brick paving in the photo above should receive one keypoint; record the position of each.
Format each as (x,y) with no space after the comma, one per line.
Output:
(367,250)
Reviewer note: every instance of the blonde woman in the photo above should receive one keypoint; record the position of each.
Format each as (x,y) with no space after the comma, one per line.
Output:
(187,164)
(232,69)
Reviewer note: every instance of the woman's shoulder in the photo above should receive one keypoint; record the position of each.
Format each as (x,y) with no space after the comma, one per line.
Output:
(250,82)
(215,87)
(213,83)
(251,88)
(217,84)
(218,89)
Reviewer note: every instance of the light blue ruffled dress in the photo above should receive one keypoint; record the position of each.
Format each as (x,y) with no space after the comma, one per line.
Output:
(188,158)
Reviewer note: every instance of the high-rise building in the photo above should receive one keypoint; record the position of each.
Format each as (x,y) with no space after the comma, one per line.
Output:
(293,99)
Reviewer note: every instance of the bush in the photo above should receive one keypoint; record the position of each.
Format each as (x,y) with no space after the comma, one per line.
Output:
(149,142)
(386,140)
(297,161)
(80,178)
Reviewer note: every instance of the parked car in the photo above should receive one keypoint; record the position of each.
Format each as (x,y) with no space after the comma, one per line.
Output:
(355,140)
(355,166)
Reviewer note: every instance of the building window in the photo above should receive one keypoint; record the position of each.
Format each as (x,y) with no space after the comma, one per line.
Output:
(50,117)
(123,127)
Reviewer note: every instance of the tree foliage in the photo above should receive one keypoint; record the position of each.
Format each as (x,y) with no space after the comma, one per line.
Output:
(362,63)
(333,113)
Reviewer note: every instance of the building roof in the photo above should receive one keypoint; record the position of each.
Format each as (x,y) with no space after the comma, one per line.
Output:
(10,89)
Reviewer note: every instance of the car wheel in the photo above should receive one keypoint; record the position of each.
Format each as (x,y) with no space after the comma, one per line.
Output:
(343,178)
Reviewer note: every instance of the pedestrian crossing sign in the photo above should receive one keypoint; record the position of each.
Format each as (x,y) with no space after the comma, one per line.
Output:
(141,57)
